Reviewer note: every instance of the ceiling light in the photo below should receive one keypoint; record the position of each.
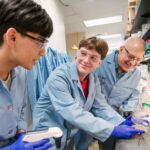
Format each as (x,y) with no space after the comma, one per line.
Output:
(101,21)
(109,36)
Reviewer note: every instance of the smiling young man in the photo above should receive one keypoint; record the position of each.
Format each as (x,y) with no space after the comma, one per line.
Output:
(72,101)
(119,77)
(24,29)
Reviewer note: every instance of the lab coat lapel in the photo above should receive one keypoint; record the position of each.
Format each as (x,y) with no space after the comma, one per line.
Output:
(91,92)
(75,77)
(111,67)
(126,79)
(126,82)
(118,87)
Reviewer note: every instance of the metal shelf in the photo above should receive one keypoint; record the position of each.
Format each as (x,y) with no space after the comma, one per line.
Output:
(146,58)
(146,35)
(142,17)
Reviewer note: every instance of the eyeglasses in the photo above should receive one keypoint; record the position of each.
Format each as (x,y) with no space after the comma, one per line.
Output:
(131,57)
(83,54)
(41,41)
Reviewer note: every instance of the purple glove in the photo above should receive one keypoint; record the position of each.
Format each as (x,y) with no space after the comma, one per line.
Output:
(20,145)
(129,121)
(125,132)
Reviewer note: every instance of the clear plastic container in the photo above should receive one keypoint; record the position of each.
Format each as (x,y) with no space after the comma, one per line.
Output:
(140,118)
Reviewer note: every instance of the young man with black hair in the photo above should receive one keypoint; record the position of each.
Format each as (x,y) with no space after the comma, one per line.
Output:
(24,29)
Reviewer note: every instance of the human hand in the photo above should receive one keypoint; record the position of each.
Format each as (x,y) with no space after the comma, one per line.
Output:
(21,145)
(125,132)
(38,145)
(129,121)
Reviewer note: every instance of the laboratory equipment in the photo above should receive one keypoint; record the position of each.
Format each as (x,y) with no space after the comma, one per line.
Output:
(54,132)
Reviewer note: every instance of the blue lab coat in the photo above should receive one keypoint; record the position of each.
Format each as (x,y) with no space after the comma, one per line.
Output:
(12,104)
(63,104)
(38,75)
(122,94)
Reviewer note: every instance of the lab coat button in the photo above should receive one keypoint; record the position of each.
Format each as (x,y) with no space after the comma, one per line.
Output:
(10,131)
(10,108)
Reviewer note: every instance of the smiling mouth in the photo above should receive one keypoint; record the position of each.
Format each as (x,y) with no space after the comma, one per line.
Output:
(86,66)
(128,66)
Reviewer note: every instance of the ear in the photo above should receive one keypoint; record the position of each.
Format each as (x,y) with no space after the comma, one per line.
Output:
(10,37)
(99,64)
(121,49)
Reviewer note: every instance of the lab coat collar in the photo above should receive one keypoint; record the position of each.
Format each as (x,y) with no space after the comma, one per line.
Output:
(15,72)
(110,59)
(91,85)
(75,76)
(74,72)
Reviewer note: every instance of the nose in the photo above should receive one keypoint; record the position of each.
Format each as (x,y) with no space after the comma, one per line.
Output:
(87,59)
(133,62)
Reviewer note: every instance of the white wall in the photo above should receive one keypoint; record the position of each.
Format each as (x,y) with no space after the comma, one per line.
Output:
(114,44)
(56,12)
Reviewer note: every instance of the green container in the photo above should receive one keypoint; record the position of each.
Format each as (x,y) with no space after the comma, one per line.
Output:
(146,104)
(147,46)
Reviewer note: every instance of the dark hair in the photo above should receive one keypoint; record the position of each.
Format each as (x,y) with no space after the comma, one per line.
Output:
(24,16)
(98,44)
